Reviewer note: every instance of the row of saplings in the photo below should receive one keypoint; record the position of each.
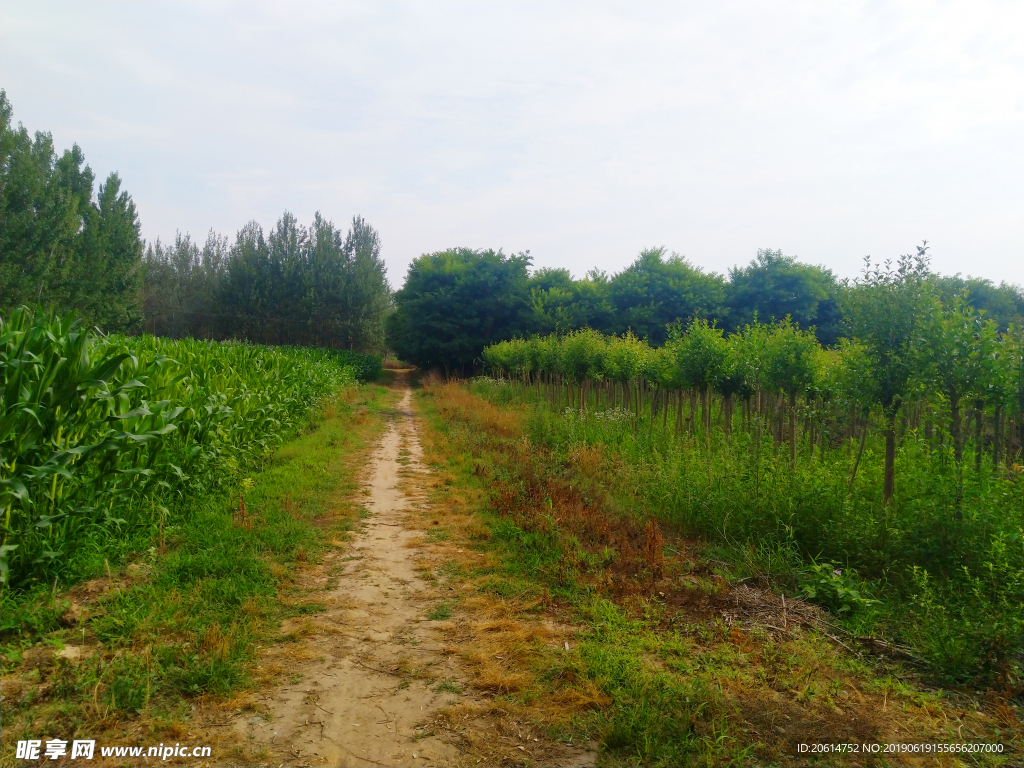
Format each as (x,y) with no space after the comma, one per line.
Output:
(959,372)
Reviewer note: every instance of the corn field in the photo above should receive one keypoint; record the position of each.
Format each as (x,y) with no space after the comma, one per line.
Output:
(103,432)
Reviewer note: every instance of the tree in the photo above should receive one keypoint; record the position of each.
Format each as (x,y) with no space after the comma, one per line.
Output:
(956,349)
(1003,303)
(315,286)
(560,304)
(884,312)
(367,296)
(655,291)
(702,358)
(790,366)
(774,286)
(455,303)
(59,246)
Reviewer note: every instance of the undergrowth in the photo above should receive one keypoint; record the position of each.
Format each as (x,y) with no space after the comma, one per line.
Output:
(683,655)
(948,586)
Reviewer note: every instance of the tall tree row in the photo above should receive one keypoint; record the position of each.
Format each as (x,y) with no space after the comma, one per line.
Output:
(318,286)
(440,317)
(60,244)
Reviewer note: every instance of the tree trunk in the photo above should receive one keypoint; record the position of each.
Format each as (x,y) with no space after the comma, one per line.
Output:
(705,413)
(810,427)
(860,452)
(727,416)
(889,484)
(792,432)
(956,430)
(979,433)
(997,436)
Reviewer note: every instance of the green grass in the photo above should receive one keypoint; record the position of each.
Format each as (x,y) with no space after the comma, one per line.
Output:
(948,587)
(191,626)
(442,612)
(448,686)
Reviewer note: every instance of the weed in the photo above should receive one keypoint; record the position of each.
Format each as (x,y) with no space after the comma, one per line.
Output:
(664,625)
(442,612)
(448,686)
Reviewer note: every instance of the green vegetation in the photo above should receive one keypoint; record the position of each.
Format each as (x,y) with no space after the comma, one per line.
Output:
(455,303)
(65,250)
(60,245)
(197,598)
(103,437)
(571,510)
(312,287)
(842,473)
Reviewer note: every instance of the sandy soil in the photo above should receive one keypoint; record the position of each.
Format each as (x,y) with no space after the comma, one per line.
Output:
(371,665)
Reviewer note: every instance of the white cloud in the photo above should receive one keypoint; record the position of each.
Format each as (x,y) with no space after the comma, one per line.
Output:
(580,131)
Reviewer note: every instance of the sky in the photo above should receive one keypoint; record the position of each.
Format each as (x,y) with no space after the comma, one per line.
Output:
(582,132)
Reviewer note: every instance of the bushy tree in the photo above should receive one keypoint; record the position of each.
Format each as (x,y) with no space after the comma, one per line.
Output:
(790,367)
(702,358)
(956,352)
(560,304)
(1003,303)
(655,291)
(774,286)
(315,286)
(885,310)
(455,303)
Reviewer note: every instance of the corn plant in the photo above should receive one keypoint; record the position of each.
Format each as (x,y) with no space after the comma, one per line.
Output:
(96,430)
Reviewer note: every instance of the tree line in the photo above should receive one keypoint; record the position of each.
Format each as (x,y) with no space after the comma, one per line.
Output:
(893,456)
(456,302)
(308,287)
(63,246)
(910,355)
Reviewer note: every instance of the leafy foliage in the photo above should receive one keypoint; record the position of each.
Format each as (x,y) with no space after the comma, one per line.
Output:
(99,432)
(67,249)
(315,286)
(934,553)
(60,244)
(455,303)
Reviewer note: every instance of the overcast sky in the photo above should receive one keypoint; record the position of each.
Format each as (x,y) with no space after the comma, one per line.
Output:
(582,132)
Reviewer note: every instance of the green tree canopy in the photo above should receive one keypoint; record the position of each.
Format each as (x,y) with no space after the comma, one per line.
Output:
(655,291)
(774,286)
(885,309)
(60,245)
(560,304)
(316,286)
(455,303)
(1003,303)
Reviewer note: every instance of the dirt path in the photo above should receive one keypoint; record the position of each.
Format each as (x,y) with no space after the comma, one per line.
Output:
(365,678)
